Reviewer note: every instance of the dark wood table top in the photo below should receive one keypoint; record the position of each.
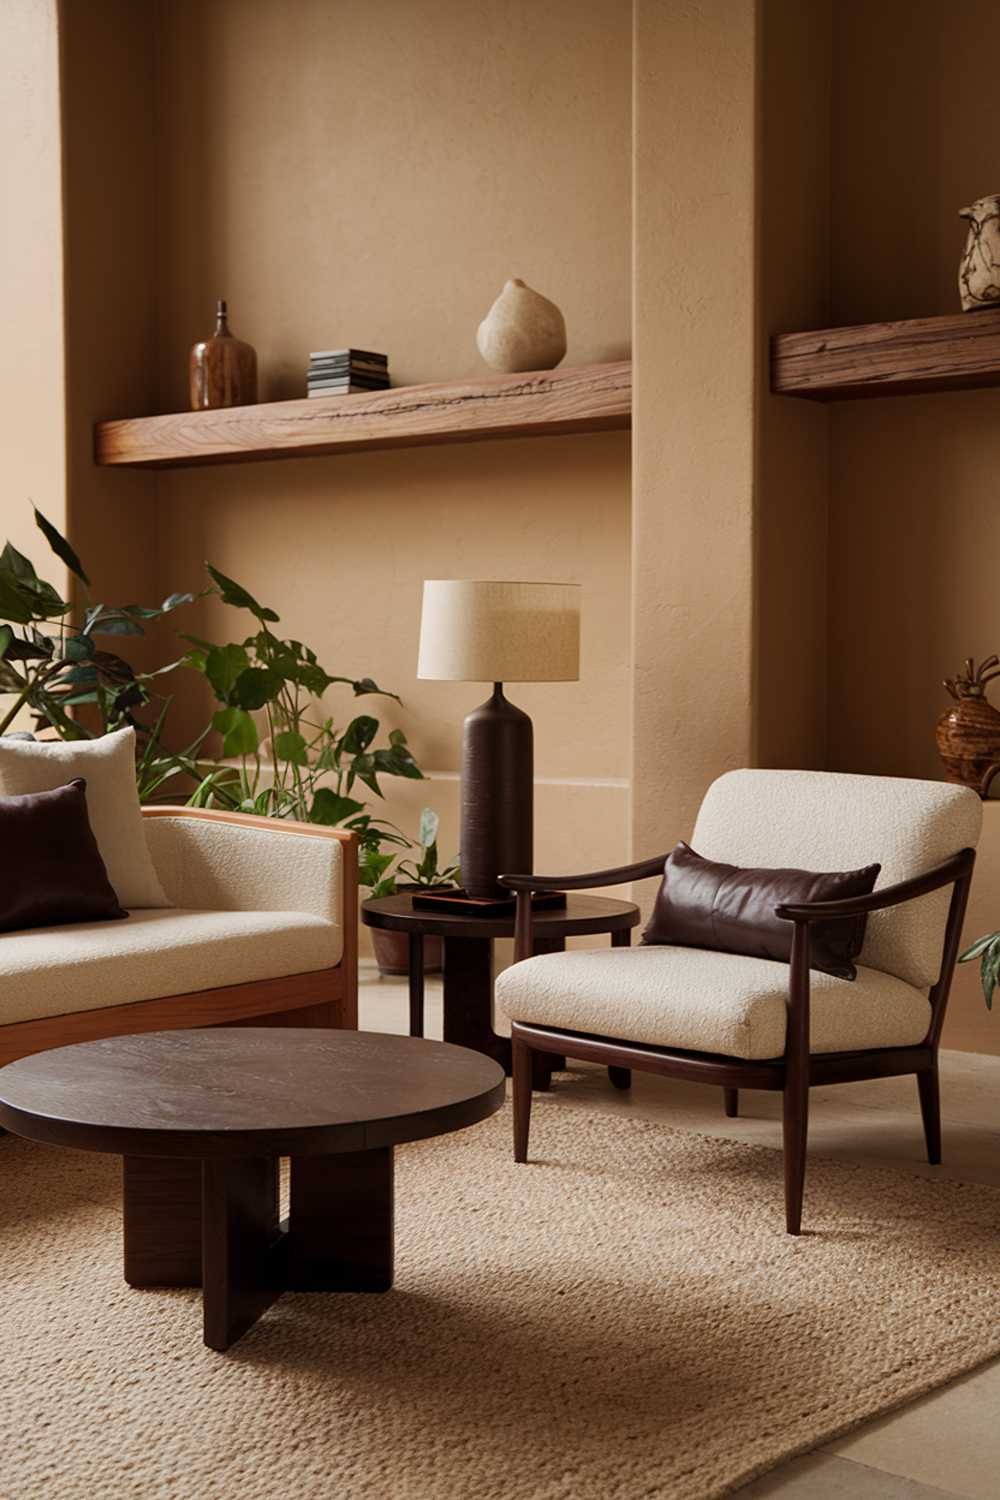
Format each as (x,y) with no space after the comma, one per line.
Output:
(582,915)
(247,1091)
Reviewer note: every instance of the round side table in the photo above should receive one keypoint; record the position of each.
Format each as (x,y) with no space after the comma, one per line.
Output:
(468,956)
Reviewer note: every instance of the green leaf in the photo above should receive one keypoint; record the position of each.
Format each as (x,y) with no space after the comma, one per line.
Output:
(365,685)
(255,686)
(101,621)
(359,734)
(235,594)
(979,946)
(238,730)
(6,640)
(46,603)
(362,768)
(292,747)
(60,546)
(398,762)
(39,648)
(80,648)
(429,822)
(14,605)
(223,666)
(331,809)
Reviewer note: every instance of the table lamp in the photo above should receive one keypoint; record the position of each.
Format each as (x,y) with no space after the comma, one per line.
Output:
(478,631)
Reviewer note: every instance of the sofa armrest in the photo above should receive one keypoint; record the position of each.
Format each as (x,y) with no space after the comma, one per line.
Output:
(222,861)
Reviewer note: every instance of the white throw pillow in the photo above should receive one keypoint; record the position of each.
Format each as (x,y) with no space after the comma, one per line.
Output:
(108,767)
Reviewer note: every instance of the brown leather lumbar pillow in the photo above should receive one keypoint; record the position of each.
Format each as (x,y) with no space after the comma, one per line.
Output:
(50,869)
(701,904)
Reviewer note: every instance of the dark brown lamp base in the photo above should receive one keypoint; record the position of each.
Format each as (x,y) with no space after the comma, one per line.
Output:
(497,792)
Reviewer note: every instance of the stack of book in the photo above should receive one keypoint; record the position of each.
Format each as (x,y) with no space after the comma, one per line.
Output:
(339,372)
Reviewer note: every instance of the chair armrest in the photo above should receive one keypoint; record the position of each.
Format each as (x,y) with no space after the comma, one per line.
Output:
(523,885)
(953,869)
(640,871)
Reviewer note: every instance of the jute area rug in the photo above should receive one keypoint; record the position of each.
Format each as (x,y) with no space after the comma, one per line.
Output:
(624,1317)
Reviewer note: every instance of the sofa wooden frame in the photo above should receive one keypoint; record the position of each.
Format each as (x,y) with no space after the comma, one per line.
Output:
(325,997)
(795,1073)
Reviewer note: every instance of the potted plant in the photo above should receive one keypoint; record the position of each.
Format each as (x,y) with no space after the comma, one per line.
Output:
(392,953)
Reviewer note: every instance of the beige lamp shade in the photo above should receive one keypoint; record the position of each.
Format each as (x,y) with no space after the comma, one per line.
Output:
(473,630)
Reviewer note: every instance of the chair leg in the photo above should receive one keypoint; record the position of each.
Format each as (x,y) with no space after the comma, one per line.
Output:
(522,1067)
(621,1078)
(795,1129)
(731,1102)
(930,1108)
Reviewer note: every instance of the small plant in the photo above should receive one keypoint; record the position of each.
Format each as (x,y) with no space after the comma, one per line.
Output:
(425,871)
(374,864)
(51,663)
(987,950)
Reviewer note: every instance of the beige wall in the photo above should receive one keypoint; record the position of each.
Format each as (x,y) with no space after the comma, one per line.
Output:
(31,310)
(792,478)
(914,518)
(107,50)
(371,175)
(693,438)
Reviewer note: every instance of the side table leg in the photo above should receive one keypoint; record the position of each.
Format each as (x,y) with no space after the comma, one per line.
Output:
(242,1253)
(161,1220)
(340,1223)
(416,984)
(468,998)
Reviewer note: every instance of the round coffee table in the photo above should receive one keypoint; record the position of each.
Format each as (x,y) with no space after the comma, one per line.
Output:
(201,1119)
(468,956)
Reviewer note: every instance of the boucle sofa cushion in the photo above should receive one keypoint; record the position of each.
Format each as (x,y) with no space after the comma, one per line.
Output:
(829,820)
(155,953)
(241,867)
(50,869)
(107,764)
(699,1001)
(703,903)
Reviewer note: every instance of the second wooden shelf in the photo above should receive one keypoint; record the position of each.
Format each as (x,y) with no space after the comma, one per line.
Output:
(958,352)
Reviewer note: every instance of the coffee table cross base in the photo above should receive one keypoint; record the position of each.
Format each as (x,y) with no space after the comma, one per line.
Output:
(214,1223)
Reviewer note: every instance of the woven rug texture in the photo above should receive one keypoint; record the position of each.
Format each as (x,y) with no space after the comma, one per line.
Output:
(624,1317)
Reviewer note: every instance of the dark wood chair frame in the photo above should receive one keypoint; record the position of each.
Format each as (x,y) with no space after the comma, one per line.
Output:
(792,1075)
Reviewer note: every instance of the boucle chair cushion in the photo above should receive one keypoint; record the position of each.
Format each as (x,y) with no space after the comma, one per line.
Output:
(819,820)
(107,764)
(154,953)
(697,1001)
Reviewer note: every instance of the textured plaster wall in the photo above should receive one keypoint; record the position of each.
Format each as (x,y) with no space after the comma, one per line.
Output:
(693,439)
(914,514)
(31,309)
(370,176)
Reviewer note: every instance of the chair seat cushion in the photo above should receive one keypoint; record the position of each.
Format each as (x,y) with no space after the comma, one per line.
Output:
(700,1001)
(155,952)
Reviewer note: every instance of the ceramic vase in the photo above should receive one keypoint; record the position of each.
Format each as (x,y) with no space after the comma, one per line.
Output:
(522,331)
(979,272)
(223,369)
(968,735)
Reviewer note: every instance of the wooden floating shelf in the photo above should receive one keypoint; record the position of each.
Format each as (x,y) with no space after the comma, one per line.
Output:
(584,398)
(959,352)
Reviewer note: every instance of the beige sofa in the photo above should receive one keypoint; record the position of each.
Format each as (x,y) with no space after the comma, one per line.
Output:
(262,931)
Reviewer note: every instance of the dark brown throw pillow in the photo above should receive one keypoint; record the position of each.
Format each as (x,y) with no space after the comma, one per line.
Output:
(701,904)
(51,871)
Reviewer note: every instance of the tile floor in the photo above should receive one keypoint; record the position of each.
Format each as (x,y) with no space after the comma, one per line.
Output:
(943,1447)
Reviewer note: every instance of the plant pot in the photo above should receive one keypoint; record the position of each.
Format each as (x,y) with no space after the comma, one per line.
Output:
(392,952)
